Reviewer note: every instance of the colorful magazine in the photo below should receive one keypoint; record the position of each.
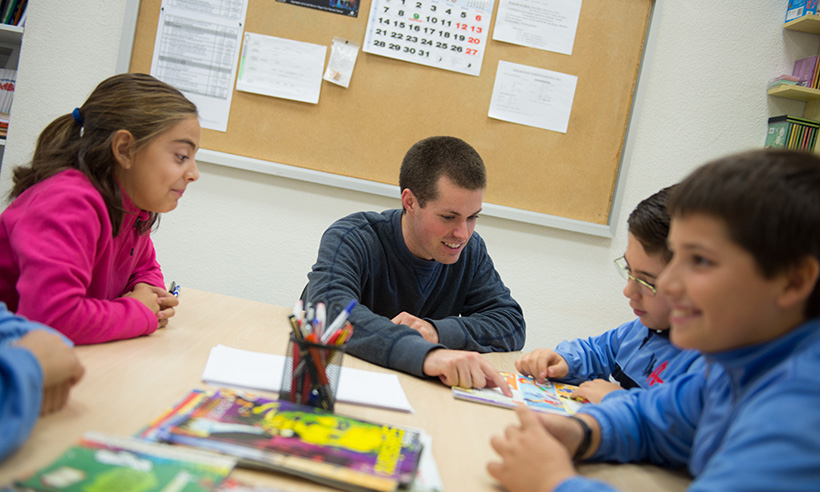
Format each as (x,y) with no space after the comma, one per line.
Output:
(102,462)
(548,397)
(340,451)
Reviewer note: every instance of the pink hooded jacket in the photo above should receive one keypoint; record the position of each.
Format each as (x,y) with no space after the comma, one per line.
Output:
(60,265)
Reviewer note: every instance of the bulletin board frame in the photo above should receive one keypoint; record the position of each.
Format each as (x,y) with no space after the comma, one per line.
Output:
(566,179)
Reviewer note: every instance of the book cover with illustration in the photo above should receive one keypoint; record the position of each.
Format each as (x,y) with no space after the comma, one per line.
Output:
(548,397)
(103,462)
(328,448)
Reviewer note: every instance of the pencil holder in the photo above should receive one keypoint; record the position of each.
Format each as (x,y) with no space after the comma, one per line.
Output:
(311,375)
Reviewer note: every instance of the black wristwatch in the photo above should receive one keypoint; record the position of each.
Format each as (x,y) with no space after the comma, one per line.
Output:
(586,442)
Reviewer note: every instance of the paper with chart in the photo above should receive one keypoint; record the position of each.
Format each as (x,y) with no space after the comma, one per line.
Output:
(543,24)
(446,34)
(197,49)
(532,96)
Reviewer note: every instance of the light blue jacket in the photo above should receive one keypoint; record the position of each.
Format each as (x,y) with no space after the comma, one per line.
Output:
(632,354)
(21,382)
(750,422)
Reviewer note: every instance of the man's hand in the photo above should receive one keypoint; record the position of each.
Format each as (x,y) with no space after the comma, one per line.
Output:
(542,364)
(427,330)
(463,368)
(533,459)
(61,368)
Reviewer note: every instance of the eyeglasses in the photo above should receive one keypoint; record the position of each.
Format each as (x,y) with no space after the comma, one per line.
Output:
(622,266)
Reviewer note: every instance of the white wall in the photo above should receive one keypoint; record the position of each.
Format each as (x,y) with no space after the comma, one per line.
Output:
(255,236)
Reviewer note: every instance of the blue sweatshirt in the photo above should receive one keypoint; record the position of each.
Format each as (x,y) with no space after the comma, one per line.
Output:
(21,382)
(632,354)
(748,423)
(364,257)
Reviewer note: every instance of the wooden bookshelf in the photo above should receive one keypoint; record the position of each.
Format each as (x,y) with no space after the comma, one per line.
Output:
(796,92)
(807,23)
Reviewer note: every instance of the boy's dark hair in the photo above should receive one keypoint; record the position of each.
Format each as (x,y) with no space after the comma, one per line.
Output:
(770,203)
(433,157)
(649,223)
(136,102)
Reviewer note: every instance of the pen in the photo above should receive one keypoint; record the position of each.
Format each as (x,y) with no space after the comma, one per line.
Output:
(339,322)
(174,289)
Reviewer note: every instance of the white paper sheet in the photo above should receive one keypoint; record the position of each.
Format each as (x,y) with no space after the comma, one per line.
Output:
(260,371)
(281,67)
(197,50)
(532,96)
(543,24)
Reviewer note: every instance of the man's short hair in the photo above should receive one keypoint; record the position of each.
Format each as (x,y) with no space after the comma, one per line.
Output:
(769,201)
(433,157)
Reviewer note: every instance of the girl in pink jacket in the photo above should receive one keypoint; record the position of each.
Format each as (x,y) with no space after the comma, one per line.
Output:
(75,250)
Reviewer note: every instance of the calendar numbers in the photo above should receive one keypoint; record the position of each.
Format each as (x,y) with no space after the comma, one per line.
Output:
(447,34)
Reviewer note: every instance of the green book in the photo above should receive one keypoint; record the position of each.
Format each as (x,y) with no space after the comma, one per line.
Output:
(100,463)
(777,135)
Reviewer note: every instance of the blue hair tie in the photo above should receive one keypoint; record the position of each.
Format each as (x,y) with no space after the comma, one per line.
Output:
(78,118)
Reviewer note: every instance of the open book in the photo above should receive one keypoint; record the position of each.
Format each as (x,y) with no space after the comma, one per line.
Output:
(103,462)
(321,446)
(548,397)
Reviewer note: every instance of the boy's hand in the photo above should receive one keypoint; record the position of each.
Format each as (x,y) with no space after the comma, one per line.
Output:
(542,364)
(595,390)
(534,457)
(60,366)
(427,330)
(465,369)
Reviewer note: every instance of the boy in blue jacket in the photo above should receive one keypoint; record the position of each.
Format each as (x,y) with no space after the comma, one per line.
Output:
(637,354)
(743,287)
(37,369)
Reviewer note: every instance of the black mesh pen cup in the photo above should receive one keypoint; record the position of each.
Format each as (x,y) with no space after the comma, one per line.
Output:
(311,375)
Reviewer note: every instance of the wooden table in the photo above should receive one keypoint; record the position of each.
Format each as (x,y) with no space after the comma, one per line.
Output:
(128,383)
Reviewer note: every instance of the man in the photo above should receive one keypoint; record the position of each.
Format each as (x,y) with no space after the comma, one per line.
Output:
(429,296)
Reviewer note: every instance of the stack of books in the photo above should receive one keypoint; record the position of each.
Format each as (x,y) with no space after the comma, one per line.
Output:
(790,132)
(13,12)
(807,71)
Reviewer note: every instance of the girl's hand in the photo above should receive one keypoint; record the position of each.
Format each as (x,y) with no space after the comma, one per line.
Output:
(595,390)
(167,302)
(147,295)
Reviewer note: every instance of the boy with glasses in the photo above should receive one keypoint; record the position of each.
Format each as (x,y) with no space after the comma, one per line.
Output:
(637,354)
(743,287)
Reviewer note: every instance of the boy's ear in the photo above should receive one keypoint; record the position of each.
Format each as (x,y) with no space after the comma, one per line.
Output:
(121,146)
(800,282)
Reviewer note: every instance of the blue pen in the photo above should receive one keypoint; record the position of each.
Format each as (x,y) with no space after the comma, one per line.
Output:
(339,322)
(174,289)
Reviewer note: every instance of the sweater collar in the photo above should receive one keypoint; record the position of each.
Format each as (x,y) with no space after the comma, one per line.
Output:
(747,363)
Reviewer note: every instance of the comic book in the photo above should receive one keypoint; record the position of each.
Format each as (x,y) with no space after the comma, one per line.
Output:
(103,462)
(548,397)
(278,435)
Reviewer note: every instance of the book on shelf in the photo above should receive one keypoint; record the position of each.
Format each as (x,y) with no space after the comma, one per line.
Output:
(804,69)
(104,462)
(791,132)
(12,12)
(783,80)
(799,8)
(328,448)
(548,397)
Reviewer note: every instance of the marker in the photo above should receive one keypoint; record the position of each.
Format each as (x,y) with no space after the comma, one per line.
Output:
(174,289)
(339,322)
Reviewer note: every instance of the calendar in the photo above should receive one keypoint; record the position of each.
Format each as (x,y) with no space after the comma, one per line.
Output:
(446,34)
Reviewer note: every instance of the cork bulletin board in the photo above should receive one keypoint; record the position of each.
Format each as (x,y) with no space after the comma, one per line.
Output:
(363,131)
